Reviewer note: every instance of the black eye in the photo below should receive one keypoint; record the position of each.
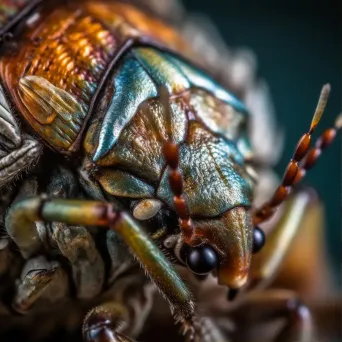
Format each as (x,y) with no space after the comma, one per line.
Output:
(201,259)
(258,239)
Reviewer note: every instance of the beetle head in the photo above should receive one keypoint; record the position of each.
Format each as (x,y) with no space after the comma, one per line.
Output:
(222,245)
(217,190)
(202,177)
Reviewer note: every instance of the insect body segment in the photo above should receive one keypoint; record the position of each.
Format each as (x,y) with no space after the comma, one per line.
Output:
(160,150)
(70,52)
(214,179)
(141,73)
(102,86)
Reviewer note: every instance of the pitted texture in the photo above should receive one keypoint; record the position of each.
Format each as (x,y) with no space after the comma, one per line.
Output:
(213,172)
(132,86)
(69,48)
(122,184)
(139,149)
(128,21)
(137,80)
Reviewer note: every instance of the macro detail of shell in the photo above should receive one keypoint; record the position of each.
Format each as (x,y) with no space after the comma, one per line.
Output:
(17,150)
(40,283)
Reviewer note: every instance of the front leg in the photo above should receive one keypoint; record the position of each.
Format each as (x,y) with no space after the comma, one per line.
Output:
(124,310)
(23,214)
(87,267)
(18,151)
(30,243)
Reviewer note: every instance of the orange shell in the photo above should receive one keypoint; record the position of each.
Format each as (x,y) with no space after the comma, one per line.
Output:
(61,55)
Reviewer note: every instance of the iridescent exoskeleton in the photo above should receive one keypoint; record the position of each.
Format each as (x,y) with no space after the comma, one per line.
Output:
(123,126)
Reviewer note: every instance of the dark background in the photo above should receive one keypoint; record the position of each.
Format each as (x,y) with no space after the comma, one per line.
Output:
(298,45)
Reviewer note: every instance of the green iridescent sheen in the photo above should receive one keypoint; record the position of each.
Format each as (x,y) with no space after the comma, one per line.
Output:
(213,175)
(161,70)
(132,86)
(122,184)
(80,212)
(212,165)
(137,79)
(158,267)
(199,79)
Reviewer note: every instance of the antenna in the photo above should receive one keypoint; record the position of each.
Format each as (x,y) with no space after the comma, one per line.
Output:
(302,160)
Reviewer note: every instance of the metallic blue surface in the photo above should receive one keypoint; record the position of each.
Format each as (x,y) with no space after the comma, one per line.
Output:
(201,80)
(137,79)
(162,71)
(221,118)
(123,184)
(213,172)
(132,86)
(139,148)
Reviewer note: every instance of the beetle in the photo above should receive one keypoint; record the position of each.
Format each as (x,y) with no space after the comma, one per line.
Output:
(122,127)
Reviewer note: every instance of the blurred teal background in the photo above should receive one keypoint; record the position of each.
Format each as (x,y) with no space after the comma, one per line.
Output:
(298,47)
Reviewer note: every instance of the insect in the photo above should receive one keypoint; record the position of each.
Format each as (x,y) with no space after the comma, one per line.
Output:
(122,127)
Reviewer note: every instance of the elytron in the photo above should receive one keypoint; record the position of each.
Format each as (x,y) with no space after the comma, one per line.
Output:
(123,161)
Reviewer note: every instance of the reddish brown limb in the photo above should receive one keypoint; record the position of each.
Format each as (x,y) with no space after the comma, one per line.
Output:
(322,143)
(267,210)
(171,155)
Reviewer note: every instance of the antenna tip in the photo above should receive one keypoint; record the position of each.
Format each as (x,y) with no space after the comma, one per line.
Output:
(338,122)
(325,91)
(322,101)
(326,87)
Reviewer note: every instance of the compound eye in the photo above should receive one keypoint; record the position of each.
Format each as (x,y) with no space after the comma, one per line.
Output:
(200,260)
(258,239)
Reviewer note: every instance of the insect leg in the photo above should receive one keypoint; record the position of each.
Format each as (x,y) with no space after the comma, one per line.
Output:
(17,150)
(16,161)
(78,246)
(266,263)
(105,322)
(23,214)
(29,243)
(296,262)
(268,306)
(126,307)
(40,280)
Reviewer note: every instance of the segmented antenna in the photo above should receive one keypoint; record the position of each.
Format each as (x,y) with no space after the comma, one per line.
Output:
(321,144)
(302,160)
(171,155)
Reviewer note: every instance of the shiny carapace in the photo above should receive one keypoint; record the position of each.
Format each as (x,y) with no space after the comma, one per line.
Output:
(127,130)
